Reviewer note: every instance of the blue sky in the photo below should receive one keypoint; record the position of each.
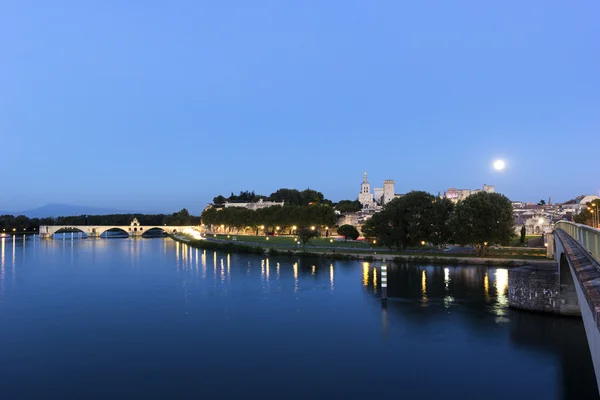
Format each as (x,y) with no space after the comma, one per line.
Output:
(156,105)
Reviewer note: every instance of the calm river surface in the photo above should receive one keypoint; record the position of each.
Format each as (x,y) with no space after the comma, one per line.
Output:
(151,318)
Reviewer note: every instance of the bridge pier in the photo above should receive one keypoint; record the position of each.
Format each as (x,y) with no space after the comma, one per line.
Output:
(550,245)
(542,289)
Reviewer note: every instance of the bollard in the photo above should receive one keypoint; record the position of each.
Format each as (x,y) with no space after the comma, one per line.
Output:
(383,285)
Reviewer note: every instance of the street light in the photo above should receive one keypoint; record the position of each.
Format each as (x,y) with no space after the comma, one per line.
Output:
(595,216)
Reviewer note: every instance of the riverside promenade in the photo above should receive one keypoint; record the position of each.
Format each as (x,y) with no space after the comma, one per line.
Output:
(373,254)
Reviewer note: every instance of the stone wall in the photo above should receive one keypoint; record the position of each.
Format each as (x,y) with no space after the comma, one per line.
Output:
(534,288)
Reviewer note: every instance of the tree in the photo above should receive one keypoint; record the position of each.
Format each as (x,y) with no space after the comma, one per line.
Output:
(403,222)
(284,217)
(245,197)
(483,219)
(181,217)
(348,232)
(306,234)
(541,202)
(219,200)
(523,234)
(588,214)
(441,228)
(348,206)
(379,229)
(288,196)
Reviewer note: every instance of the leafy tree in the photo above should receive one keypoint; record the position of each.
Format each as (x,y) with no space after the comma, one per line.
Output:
(245,197)
(295,197)
(379,228)
(483,219)
(219,200)
(347,206)
(348,232)
(403,222)
(523,234)
(270,217)
(310,196)
(441,228)
(586,216)
(306,234)
(541,202)
(290,197)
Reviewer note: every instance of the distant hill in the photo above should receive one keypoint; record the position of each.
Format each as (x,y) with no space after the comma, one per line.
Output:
(58,210)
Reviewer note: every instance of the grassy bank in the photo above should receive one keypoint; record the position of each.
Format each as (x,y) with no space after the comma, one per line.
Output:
(328,245)
(506,259)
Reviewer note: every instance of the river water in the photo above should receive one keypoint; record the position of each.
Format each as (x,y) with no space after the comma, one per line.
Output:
(152,318)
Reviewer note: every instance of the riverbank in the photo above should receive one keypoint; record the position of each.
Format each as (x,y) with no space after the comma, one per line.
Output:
(450,259)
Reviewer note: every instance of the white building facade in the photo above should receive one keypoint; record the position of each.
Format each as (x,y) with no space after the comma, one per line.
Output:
(365,197)
(255,206)
(379,197)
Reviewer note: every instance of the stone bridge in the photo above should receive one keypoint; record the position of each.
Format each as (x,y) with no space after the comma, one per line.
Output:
(576,249)
(133,229)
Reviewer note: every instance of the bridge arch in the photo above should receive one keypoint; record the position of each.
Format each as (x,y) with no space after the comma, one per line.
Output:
(568,293)
(104,230)
(148,229)
(68,229)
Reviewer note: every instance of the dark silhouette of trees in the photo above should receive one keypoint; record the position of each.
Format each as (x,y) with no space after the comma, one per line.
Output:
(346,206)
(306,234)
(483,219)
(348,232)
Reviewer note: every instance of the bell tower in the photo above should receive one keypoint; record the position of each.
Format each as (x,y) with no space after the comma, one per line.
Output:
(365,197)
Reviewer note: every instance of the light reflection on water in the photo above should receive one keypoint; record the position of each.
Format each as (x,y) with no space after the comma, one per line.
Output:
(186,258)
(2,251)
(331,276)
(424,286)
(448,291)
(296,277)
(375,280)
(486,287)
(501,305)
(448,299)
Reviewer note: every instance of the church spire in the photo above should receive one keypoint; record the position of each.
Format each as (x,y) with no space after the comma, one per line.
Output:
(365,178)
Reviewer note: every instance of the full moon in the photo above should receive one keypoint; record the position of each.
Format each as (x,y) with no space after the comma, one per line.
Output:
(498,165)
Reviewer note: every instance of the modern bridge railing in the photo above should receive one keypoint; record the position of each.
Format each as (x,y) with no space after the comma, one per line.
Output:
(585,235)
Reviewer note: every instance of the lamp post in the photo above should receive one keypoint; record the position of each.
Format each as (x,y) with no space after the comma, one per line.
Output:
(595,216)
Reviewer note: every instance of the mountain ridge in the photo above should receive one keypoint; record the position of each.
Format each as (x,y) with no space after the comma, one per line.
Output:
(60,210)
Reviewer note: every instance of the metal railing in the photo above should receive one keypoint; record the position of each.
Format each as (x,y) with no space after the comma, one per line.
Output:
(585,235)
